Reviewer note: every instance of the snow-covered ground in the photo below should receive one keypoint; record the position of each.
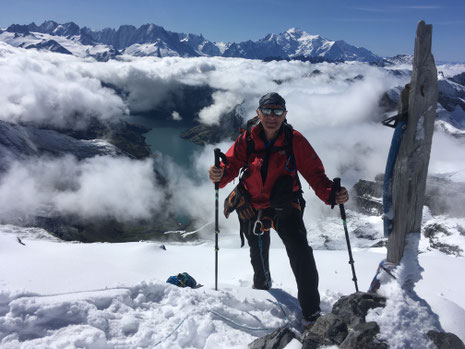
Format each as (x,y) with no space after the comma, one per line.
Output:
(72,295)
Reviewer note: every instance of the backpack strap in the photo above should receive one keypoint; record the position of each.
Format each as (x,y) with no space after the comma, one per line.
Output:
(288,136)
(248,135)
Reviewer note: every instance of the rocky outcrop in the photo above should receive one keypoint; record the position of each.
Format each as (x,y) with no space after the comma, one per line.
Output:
(368,196)
(209,134)
(442,196)
(71,228)
(127,138)
(22,142)
(276,340)
(346,327)
(50,45)
(436,233)
(446,340)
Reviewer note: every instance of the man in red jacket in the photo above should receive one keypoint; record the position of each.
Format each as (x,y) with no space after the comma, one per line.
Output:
(272,153)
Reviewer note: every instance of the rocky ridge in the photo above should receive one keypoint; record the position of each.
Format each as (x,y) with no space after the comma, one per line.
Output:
(346,327)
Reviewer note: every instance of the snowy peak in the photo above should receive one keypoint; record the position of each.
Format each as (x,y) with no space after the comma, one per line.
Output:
(153,40)
(67,29)
(295,43)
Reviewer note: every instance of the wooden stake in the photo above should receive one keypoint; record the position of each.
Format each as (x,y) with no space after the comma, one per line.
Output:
(409,181)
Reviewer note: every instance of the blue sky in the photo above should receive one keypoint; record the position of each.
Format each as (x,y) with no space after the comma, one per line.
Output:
(384,27)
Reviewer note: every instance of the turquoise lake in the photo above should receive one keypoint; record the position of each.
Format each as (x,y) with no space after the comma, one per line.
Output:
(165,138)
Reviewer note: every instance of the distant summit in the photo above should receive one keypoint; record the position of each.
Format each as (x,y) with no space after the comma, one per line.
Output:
(153,40)
(295,43)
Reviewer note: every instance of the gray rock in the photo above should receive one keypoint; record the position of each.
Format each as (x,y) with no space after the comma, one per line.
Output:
(345,326)
(329,326)
(446,340)
(312,341)
(368,196)
(209,134)
(363,336)
(435,233)
(353,309)
(275,340)
(459,79)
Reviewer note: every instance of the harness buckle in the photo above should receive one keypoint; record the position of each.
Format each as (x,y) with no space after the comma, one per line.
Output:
(258,223)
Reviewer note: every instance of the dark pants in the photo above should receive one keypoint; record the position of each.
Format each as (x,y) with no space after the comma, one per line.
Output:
(291,229)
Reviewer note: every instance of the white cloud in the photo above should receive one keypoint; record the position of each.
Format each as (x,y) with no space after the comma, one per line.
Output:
(46,89)
(176,116)
(99,187)
(223,103)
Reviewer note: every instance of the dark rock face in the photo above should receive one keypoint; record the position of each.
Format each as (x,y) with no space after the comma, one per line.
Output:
(353,309)
(207,134)
(71,228)
(22,142)
(434,232)
(345,326)
(331,328)
(275,340)
(459,79)
(363,336)
(442,196)
(128,138)
(50,45)
(451,94)
(446,340)
(389,100)
(368,197)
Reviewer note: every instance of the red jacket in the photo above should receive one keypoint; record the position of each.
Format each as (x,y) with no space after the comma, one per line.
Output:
(307,162)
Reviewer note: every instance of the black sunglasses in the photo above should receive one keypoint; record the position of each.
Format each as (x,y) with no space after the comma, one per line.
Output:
(275,111)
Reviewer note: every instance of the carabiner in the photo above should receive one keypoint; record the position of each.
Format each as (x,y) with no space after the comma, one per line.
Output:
(257,223)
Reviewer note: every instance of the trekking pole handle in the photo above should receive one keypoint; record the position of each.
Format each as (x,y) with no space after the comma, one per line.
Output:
(334,190)
(217,152)
(219,156)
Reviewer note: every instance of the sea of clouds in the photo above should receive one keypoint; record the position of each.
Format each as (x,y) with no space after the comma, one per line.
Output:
(334,105)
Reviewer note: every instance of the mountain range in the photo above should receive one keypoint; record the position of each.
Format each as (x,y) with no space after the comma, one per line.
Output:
(153,40)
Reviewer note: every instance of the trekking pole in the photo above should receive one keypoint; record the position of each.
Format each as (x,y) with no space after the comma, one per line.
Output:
(218,155)
(336,187)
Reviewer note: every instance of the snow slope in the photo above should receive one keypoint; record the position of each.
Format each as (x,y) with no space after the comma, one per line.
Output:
(73,295)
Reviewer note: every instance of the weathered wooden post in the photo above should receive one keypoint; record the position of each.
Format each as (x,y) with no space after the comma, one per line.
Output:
(411,167)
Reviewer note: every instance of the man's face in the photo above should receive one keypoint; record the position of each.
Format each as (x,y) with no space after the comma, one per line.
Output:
(272,122)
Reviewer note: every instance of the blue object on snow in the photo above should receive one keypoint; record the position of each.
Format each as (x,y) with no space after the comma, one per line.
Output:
(182,280)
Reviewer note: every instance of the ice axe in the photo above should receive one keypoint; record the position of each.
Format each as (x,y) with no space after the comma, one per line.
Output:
(335,188)
(218,156)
